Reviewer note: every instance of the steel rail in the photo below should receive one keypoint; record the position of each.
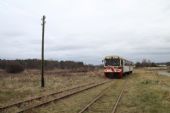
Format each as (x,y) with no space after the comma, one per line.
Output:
(119,98)
(40,97)
(94,100)
(60,97)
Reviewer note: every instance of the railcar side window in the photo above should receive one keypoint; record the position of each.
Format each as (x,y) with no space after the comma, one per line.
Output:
(112,62)
(121,62)
(126,63)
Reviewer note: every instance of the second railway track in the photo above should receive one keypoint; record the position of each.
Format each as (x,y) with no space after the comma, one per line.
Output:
(30,104)
(101,94)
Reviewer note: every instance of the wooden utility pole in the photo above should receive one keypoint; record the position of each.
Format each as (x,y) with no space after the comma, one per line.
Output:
(42,53)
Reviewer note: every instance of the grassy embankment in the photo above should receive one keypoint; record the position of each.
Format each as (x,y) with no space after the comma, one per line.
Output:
(147,92)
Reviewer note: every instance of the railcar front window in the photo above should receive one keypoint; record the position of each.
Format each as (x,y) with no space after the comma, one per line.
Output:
(112,62)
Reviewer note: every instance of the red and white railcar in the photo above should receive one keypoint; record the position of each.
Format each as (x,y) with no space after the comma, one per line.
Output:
(115,66)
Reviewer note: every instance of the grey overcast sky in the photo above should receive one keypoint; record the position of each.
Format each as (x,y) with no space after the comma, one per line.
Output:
(86,30)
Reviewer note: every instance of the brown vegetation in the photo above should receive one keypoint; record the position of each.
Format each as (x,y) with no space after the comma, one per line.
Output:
(14,67)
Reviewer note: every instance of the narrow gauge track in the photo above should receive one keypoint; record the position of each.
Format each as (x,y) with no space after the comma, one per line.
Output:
(53,97)
(101,94)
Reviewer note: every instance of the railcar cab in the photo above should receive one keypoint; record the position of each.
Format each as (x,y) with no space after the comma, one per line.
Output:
(113,66)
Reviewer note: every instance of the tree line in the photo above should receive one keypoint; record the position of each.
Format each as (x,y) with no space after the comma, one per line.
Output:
(49,64)
(145,63)
(148,63)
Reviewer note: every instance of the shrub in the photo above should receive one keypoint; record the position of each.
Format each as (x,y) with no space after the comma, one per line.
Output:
(14,67)
(168,68)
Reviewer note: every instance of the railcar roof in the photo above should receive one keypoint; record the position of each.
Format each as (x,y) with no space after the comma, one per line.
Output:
(115,56)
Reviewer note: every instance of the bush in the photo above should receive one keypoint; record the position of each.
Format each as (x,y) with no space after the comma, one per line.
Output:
(14,67)
(168,68)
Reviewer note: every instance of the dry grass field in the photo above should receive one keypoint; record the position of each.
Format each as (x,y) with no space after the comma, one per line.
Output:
(146,92)
(18,87)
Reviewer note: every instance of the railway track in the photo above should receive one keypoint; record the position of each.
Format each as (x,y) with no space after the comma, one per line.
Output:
(33,103)
(101,94)
(119,98)
(20,103)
